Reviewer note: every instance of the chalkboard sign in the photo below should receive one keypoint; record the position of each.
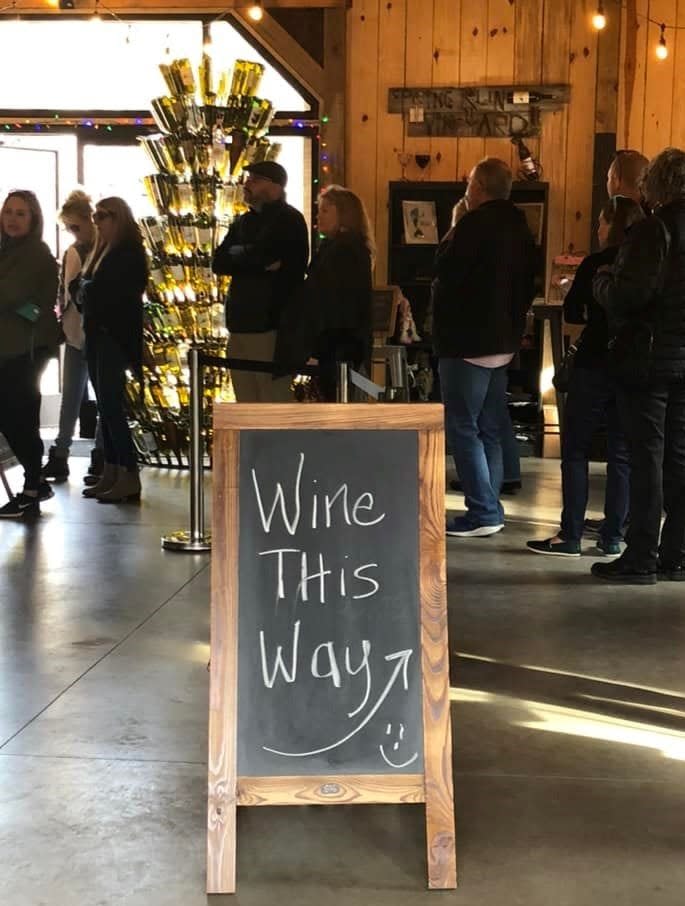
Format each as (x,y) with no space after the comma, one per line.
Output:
(329,664)
(329,638)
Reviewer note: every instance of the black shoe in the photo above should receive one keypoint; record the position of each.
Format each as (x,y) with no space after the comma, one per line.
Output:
(666,573)
(97,462)
(555,548)
(91,480)
(57,467)
(622,573)
(45,492)
(508,487)
(21,507)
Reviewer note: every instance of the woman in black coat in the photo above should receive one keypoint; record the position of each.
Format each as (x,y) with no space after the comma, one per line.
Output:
(338,289)
(592,401)
(643,295)
(112,285)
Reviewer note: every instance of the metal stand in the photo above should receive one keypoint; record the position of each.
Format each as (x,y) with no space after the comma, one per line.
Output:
(195,540)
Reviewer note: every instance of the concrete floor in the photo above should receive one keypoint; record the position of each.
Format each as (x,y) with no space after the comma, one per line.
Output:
(568,717)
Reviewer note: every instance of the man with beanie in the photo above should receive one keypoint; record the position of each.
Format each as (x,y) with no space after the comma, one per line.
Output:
(265,253)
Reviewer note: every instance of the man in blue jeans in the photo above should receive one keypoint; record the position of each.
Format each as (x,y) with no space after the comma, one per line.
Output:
(483,288)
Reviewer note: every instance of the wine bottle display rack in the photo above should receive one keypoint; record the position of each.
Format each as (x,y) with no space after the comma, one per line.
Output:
(211,126)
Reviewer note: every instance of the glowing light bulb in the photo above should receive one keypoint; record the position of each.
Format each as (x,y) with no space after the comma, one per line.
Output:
(256,12)
(661,48)
(599,20)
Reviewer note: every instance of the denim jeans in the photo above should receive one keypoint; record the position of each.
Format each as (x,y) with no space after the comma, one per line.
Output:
(592,399)
(655,424)
(107,368)
(475,401)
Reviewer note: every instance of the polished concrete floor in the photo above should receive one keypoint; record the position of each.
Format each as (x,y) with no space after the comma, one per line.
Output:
(568,718)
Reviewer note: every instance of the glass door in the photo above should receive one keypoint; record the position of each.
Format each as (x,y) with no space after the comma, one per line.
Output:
(37,169)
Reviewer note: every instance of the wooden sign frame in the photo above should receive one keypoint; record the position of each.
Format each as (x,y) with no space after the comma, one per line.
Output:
(226,790)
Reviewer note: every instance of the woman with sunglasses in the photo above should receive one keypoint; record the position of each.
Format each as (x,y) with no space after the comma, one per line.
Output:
(77,218)
(111,291)
(29,336)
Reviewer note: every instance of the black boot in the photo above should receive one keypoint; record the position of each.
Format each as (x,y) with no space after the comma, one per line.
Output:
(57,467)
(96,467)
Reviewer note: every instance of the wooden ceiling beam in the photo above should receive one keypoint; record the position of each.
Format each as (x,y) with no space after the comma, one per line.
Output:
(158,7)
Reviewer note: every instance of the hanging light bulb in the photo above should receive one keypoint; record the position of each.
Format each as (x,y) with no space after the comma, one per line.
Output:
(96,12)
(206,36)
(256,12)
(661,48)
(599,20)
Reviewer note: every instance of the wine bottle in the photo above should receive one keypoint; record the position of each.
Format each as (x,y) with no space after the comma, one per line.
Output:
(204,225)
(527,97)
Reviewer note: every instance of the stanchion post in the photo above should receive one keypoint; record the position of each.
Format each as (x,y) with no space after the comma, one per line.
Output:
(194,541)
(342,389)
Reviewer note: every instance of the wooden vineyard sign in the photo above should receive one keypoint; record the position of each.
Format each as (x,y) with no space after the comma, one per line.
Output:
(329,657)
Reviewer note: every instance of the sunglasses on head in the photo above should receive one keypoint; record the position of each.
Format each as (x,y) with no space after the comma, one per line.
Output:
(101,215)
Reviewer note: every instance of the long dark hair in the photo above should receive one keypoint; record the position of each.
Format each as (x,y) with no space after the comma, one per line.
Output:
(32,203)
(620,213)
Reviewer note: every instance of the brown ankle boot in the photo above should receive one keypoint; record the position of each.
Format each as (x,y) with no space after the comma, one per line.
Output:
(107,479)
(126,487)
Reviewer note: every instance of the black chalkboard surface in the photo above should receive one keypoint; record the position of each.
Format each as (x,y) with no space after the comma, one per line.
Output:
(329,651)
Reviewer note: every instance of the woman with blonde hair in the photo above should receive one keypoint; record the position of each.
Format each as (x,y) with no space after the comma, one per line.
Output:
(29,336)
(76,216)
(111,289)
(339,285)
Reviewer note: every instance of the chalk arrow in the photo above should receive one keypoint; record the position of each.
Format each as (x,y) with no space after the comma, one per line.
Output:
(401,667)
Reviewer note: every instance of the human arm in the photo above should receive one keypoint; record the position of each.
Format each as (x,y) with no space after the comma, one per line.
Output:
(636,276)
(579,295)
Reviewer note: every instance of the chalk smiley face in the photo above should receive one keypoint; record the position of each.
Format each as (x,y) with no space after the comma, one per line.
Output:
(395,747)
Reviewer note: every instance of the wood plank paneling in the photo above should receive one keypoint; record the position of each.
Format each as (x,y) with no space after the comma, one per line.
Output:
(499,65)
(446,57)
(635,134)
(419,68)
(580,140)
(472,70)
(678,50)
(556,48)
(362,100)
(528,26)
(391,73)
(659,81)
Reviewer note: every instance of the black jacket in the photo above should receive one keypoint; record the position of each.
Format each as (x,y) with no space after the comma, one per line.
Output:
(339,287)
(112,299)
(580,307)
(485,283)
(256,240)
(647,284)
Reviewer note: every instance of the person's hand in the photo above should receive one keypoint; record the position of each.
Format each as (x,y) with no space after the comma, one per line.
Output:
(312,361)
(276,266)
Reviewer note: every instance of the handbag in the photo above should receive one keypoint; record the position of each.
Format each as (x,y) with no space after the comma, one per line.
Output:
(562,376)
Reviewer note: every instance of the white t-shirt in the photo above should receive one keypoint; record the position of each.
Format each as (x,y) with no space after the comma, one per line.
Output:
(492,361)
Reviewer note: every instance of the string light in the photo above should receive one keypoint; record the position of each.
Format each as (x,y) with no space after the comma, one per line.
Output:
(256,12)
(599,20)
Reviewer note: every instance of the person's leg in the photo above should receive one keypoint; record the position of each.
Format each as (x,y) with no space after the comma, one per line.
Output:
(244,346)
(617,495)
(111,384)
(464,389)
(490,425)
(643,414)
(20,422)
(672,547)
(74,381)
(511,456)
(270,389)
(585,404)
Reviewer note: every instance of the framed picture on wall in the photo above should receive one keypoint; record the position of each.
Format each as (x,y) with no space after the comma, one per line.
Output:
(535,215)
(420,223)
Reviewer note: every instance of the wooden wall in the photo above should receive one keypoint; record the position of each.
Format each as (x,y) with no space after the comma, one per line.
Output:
(392,43)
